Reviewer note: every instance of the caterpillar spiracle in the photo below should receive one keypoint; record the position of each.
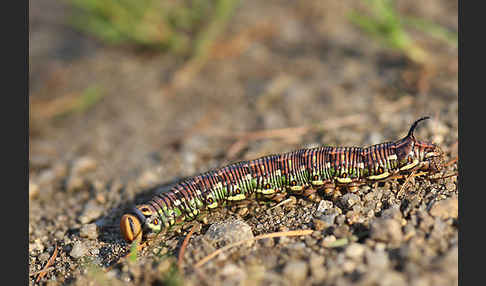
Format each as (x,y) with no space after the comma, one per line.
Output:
(303,171)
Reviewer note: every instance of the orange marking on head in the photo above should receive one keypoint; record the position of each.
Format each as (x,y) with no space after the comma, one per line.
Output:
(130,227)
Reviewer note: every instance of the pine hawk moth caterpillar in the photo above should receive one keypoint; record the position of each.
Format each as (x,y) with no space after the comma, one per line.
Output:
(303,171)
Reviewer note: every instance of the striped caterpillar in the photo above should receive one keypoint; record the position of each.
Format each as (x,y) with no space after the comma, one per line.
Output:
(303,171)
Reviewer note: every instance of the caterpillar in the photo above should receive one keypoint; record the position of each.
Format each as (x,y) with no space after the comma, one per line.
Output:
(304,171)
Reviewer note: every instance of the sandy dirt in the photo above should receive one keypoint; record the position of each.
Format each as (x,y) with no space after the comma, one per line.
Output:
(282,67)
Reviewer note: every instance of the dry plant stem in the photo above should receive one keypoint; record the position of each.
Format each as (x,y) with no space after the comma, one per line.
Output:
(281,203)
(447,176)
(49,263)
(268,235)
(184,246)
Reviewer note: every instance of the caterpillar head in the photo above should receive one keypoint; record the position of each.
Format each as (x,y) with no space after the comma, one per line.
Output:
(418,155)
(142,217)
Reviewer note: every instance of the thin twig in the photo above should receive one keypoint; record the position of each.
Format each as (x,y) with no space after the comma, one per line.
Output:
(268,235)
(446,176)
(49,263)
(281,203)
(184,246)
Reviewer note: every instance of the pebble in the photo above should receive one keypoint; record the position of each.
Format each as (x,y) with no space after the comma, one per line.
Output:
(324,205)
(43,257)
(74,182)
(349,200)
(267,242)
(329,218)
(320,224)
(296,271)
(91,211)
(59,234)
(316,265)
(89,231)
(445,209)
(328,240)
(78,250)
(392,278)
(386,230)
(348,266)
(227,232)
(36,246)
(354,250)
(48,176)
(233,273)
(80,166)
(83,165)
(392,213)
(377,260)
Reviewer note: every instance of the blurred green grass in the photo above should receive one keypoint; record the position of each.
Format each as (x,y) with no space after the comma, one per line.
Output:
(180,27)
(385,24)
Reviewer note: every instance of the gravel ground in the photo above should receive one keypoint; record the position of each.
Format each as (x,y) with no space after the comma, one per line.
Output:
(300,64)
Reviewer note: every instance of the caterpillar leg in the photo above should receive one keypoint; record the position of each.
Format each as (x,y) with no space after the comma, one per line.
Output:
(353,187)
(312,195)
(337,193)
(278,197)
(329,188)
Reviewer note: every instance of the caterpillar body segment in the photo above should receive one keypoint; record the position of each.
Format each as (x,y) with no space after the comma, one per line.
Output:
(273,176)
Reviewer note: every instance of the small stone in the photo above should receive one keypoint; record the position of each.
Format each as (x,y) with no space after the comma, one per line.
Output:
(324,205)
(295,271)
(349,200)
(377,259)
(91,211)
(320,224)
(392,278)
(329,218)
(43,257)
(348,266)
(78,250)
(355,250)
(83,165)
(36,246)
(59,234)
(164,266)
(267,242)
(74,182)
(445,209)
(316,265)
(386,230)
(228,232)
(100,198)
(89,231)
(328,240)
(392,213)
(233,273)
